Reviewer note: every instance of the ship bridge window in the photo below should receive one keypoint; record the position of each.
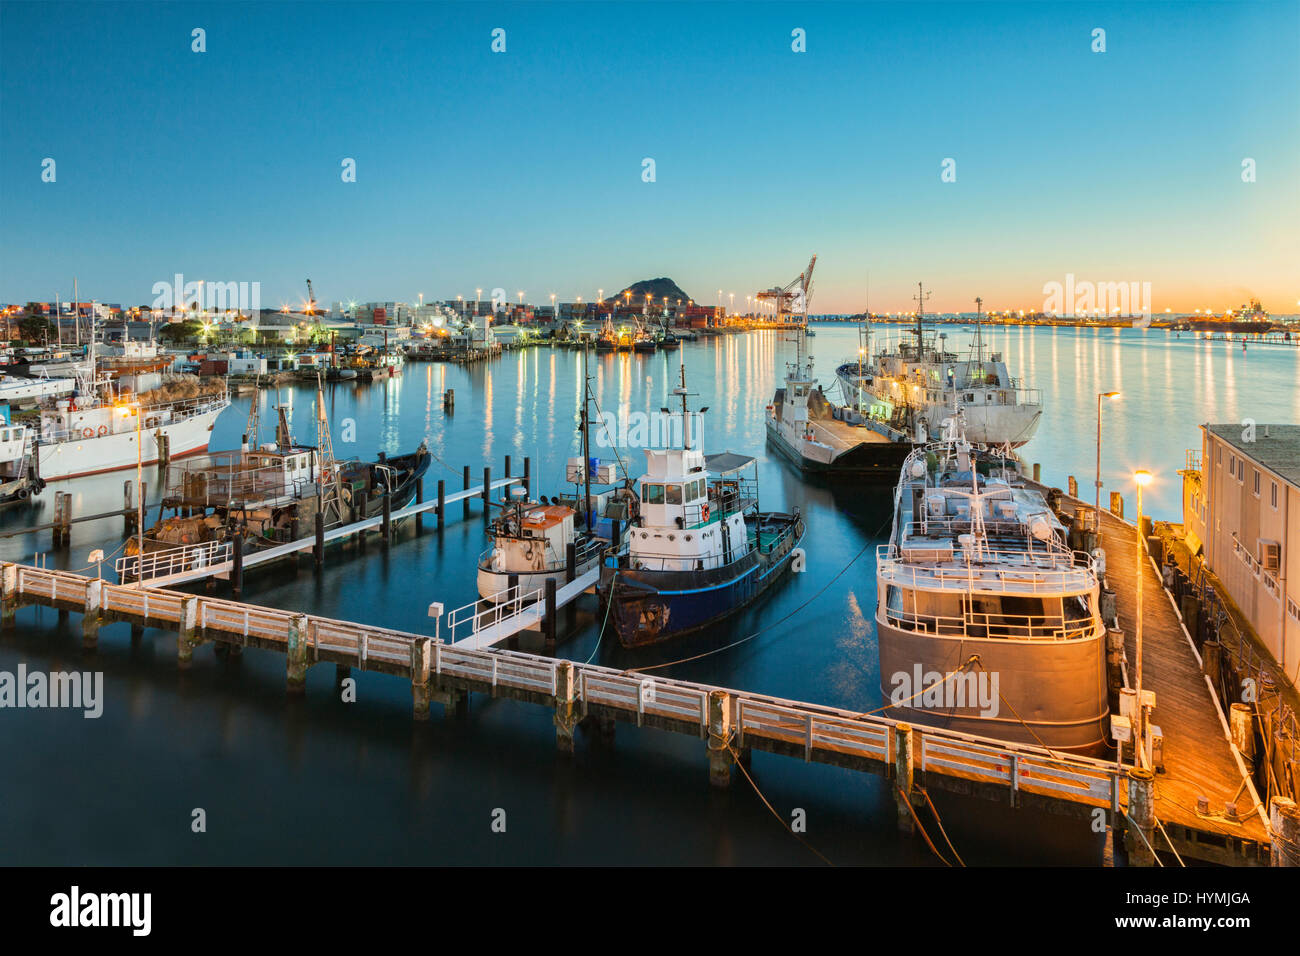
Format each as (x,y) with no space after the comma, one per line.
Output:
(652,494)
(674,494)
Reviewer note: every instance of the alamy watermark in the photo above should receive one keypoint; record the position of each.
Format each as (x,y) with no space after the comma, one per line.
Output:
(1086,298)
(648,429)
(180,295)
(82,690)
(957,690)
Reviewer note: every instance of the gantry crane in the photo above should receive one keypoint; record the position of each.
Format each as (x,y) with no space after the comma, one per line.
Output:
(791,301)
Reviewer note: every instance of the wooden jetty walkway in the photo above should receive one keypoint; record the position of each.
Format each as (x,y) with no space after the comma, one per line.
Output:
(1205,800)
(731,723)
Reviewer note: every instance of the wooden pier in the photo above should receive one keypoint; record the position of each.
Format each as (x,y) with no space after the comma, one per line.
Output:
(731,723)
(1205,800)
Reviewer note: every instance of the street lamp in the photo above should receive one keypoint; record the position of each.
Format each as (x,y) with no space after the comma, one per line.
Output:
(1097,516)
(1141,478)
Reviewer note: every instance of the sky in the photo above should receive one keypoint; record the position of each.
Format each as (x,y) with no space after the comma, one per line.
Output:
(524,170)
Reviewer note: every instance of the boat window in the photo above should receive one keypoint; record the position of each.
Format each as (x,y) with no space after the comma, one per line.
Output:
(674,494)
(4,435)
(653,494)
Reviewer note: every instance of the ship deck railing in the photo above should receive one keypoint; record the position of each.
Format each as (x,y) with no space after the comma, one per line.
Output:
(1011,572)
(168,561)
(983,625)
(179,411)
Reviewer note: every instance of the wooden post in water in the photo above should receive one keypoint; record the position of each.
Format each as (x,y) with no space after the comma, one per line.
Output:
(421,663)
(296,654)
(442,502)
(487,488)
(237,564)
(465,504)
(1284,824)
(1210,661)
(388,517)
(1117,504)
(507,471)
(904,769)
(90,616)
(318,550)
(186,633)
(528,477)
(129,514)
(164,445)
(1141,817)
(1241,723)
(419,500)
(8,596)
(720,758)
(566,712)
(548,622)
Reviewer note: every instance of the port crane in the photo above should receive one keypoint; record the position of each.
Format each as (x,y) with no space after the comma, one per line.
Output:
(311,301)
(793,298)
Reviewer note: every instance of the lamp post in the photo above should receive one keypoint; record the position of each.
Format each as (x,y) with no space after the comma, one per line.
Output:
(1141,478)
(1097,483)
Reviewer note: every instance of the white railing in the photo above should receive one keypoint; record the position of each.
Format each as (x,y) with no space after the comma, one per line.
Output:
(1010,627)
(468,620)
(164,563)
(1046,572)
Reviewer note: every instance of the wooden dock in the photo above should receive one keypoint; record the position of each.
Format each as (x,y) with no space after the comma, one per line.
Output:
(1206,803)
(732,723)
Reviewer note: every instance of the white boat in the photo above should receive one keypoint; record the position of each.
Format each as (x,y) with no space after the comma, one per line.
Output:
(987,622)
(18,480)
(530,543)
(88,438)
(17,390)
(921,385)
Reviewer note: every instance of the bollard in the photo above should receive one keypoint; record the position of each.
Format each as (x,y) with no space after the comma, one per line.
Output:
(1241,722)
(720,758)
(1109,607)
(318,549)
(442,501)
(1284,825)
(1210,661)
(1141,817)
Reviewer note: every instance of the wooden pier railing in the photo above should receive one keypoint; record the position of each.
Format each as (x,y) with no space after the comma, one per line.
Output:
(732,722)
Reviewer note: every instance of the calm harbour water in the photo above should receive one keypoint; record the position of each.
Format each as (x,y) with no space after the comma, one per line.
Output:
(322,781)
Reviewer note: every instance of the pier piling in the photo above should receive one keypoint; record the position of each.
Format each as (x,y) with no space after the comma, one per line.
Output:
(548,621)
(419,500)
(465,503)
(566,711)
(318,551)
(1141,817)
(237,565)
(1284,822)
(186,633)
(421,665)
(720,757)
(507,471)
(442,502)
(296,654)
(90,617)
(1241,723)
(8,596)
(487,488)
(388,517)
(904,769)
(528,478)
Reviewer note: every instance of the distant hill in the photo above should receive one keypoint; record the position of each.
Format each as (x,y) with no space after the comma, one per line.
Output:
(658,288)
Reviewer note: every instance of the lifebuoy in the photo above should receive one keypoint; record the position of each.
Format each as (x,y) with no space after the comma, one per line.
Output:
(88,433)
(704,512)
(103,430)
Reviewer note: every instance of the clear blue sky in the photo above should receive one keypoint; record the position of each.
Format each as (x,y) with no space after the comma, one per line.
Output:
(523,170)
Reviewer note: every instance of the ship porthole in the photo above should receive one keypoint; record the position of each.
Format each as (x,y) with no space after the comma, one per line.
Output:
(688,537)
(672,537)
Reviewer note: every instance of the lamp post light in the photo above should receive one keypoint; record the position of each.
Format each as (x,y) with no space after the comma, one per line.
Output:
(1097,483)
(1141,478)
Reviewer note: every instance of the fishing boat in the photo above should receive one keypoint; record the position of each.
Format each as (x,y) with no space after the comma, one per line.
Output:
(987,622)
(668,341)
(529,545)
(921,384)
(607,338)
(19,390)
(643,340)
(699,549)
(270,494)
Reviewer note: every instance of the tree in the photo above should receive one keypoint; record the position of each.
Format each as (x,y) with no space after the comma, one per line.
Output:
(178,332)
(34,327)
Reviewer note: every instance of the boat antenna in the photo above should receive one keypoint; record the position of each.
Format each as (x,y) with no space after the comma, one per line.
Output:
(920,297)
(979,333)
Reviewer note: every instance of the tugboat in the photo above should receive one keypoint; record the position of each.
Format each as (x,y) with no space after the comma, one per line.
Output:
(530,542)
(700,549)
(18,477)
(987,622)
(925,384)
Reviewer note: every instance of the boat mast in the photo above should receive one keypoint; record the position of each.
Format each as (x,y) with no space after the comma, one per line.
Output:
(327,478)
(979,334)
(920,297)
(586,440)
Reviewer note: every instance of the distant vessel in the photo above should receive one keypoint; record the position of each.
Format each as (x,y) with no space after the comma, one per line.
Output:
(699,549)
(17,390)
(18,477)
(922,384)
(977,566)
